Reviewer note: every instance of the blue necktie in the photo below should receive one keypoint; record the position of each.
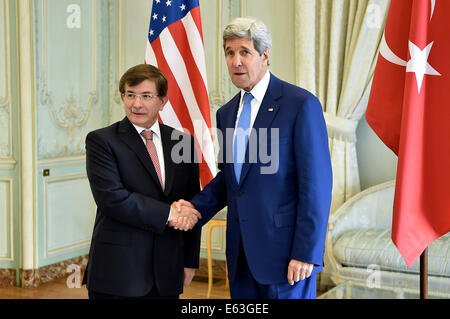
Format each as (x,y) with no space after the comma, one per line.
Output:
(241,138)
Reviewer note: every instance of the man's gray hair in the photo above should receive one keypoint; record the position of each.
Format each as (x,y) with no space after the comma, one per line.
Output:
(250,28)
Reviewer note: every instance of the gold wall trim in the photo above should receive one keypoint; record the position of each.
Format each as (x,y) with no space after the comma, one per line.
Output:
(50,252)
(11,220)
(47,181)
(9,164)
(62,161)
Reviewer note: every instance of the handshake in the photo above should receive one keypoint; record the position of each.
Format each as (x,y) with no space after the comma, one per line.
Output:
(184,216)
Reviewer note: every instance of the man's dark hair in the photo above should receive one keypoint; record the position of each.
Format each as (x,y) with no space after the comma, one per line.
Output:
(141,72)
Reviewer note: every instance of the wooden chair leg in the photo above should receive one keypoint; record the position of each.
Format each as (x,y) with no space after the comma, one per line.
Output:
(208,250)
(227,283)
(209,227)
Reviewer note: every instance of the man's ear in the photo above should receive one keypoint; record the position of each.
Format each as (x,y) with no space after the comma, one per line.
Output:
(267,55)
(164,101)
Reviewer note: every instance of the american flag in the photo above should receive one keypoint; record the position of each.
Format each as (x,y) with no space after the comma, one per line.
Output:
(175,46)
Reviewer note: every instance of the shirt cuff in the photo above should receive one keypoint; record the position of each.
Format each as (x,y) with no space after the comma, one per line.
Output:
(170,215)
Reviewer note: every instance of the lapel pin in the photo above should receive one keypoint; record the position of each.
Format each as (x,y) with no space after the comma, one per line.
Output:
(270,109)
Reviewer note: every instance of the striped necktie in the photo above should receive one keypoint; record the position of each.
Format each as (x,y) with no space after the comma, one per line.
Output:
(151,148)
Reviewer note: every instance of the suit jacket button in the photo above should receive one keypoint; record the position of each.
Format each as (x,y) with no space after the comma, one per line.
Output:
(239,193)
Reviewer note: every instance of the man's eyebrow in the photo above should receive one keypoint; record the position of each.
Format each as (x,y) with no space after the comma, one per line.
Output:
(146,92)
(240,48)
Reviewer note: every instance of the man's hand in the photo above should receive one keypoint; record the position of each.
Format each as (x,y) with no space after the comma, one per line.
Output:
(179,205)
(298,270)
(183,217)
(188,275)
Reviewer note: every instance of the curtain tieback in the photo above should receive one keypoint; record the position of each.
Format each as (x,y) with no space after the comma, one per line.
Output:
(340,128)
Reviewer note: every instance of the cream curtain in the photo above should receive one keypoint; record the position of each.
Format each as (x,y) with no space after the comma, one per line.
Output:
(336,50)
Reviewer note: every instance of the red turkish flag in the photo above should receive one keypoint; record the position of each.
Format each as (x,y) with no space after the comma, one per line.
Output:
(409,110)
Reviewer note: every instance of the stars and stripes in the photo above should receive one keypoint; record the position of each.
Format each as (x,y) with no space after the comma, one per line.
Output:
(175,46)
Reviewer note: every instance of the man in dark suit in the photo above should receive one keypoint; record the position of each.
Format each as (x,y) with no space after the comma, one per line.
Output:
(277,210)
(134,180)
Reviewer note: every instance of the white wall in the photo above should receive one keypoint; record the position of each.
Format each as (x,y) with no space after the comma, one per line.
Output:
(377,163)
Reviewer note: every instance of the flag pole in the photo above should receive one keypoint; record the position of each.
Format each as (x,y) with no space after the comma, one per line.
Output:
(424,274)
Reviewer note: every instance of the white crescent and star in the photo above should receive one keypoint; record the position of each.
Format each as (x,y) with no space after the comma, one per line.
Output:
(418,63)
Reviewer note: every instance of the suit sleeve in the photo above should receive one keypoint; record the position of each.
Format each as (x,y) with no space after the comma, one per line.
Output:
(314,175)
(213,197)
(111,196)
(192,237)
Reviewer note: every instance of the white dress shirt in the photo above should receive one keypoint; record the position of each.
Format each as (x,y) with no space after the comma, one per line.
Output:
(258,92)
(159,150)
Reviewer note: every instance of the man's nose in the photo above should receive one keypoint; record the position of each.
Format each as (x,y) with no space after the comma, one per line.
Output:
(137,101)
(237,61)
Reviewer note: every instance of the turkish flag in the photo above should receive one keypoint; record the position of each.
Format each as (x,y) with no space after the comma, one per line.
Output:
(409,109)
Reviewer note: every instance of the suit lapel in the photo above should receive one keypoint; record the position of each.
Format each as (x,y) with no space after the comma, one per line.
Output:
(167,145)
(129,135)
(230,122)
(267,112)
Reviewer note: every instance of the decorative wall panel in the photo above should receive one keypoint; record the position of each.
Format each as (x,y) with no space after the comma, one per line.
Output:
(215,16)
(9,173)
(6,220)
(70,53)
(5,104)
(71,43)
(118,45)
(69,214)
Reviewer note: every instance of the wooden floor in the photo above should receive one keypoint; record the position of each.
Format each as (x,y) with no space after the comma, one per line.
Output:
(57,289)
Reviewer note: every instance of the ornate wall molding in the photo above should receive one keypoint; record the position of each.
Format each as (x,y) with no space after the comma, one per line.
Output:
(65,100)
(7,221)
(5,91)
(62,161)
(71,113)
(4,17)
(222,89)
(116,58)
(8,164)
(63,247)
